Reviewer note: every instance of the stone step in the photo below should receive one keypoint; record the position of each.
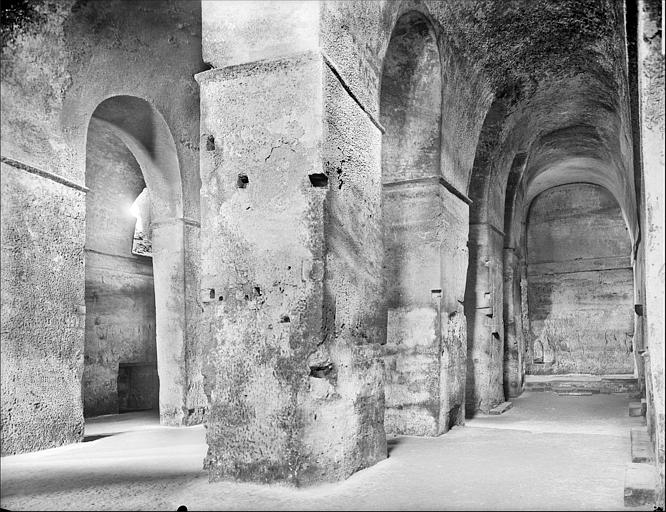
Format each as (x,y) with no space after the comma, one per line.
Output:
(584,384)
(641,447)
(635,409)
(639,484)
(501,408)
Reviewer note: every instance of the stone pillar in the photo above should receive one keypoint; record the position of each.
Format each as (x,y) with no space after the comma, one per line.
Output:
(412,232)
(525,317)
(426,258)
(453,260)
(651,84)
(513,340)
(291,258)
(638,344)
(170,319)
(196,402)
(483,308)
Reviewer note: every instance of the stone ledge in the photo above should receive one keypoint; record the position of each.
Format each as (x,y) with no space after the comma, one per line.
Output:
(584,384)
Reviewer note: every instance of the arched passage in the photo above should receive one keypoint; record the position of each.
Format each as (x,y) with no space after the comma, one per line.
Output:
(580,283)
(418,399)
(515,283)
(120,363)
(135,307)
(484,285)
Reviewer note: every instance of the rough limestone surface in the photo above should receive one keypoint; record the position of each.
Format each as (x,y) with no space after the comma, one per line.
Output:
(265,285)
(453,325)
(317,115)
(651,83)
(580,279)
(43,312)
(514,340)
(485,326)
(426,343)
(354,314)
(412,234)
(285,303)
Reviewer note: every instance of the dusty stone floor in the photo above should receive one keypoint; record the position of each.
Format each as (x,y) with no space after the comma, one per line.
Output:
(548,452)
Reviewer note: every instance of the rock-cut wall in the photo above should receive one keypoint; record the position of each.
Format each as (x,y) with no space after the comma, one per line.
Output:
(43,312)
(580,283)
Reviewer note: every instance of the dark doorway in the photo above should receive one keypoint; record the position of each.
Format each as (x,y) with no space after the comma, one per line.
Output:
(138,387)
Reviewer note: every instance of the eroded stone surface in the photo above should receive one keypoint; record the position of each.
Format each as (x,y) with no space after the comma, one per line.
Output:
(43,312)
(369,170)
(580,283)
(651,84)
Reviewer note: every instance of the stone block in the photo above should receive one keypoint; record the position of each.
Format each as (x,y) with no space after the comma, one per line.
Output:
(639,485)
(641,447)
(635,409)
(501,408)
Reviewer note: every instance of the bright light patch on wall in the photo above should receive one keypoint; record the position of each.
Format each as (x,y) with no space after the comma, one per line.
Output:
(140,209)
(134,209)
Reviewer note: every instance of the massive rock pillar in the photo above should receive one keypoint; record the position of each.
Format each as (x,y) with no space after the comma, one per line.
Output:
(426,261)
(453,349)
(291,253)
(513,331)
(176,267)
(169,278)
(651,84)
(483,308)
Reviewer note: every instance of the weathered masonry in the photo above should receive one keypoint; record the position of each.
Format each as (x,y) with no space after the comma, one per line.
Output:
(313,224)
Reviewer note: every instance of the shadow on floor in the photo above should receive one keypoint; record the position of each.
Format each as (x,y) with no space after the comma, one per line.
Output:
(87,439)
(392,443)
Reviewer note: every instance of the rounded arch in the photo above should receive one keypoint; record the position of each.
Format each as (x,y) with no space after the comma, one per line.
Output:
(143,130)
(575,169)
(487,144)
(411,100)
(580,280)
(397,12)
(128,132)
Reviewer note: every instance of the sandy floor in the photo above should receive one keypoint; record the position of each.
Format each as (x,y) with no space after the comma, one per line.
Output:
(549,452)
